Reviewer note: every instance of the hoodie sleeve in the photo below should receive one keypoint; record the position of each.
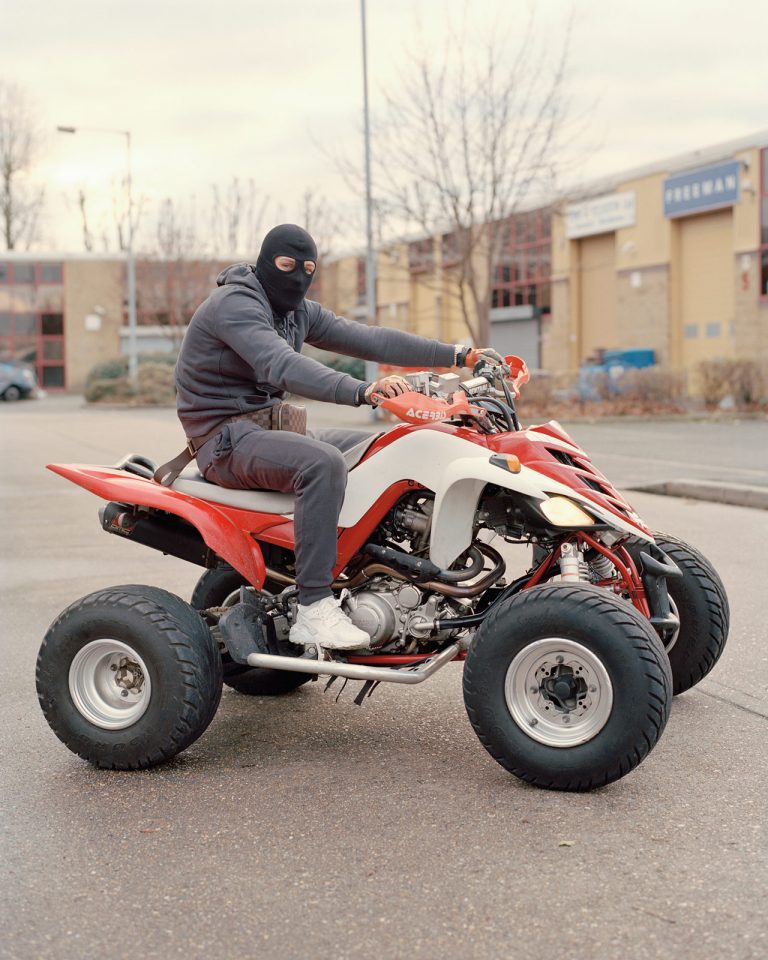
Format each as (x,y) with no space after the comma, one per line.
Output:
(382,344)
(244,327)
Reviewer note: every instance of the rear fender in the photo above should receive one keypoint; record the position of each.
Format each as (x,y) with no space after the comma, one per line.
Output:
(225,530)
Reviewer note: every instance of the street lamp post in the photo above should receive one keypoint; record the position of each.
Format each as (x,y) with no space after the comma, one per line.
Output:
(133,357)
(370,259)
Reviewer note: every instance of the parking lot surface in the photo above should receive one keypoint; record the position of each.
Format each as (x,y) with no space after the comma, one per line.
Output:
(302,827)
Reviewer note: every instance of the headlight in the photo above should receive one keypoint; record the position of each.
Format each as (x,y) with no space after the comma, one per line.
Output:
(563,512)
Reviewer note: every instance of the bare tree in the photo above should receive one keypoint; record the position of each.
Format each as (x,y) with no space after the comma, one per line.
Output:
(174,275)
(323,220)
(87,235)
(237,217)
(468,138)
(20,201)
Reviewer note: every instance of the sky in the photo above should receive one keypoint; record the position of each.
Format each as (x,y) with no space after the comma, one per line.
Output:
(267,90)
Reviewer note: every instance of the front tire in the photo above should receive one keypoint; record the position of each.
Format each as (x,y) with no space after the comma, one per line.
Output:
(128,677)
(700,601)
(567,687)
(220,588)
(12,394)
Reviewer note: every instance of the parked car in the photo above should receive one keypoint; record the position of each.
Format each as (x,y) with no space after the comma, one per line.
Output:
(17,380)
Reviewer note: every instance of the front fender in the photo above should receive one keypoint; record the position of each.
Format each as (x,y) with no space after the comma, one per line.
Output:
(457,499)
(224,529)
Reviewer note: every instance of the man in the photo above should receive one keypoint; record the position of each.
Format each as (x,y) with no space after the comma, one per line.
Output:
(241,355)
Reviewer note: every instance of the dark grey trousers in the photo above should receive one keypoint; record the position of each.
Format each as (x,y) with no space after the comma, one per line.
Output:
(245,457)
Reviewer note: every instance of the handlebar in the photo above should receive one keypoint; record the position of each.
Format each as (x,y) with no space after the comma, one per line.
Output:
(437,397)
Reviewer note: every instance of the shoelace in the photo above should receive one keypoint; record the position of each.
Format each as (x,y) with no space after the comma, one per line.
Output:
(335,614)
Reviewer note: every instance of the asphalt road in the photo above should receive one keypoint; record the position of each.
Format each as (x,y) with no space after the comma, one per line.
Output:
(300,827)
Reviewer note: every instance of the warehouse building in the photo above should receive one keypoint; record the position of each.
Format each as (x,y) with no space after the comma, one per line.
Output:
(672,257)
(63,314)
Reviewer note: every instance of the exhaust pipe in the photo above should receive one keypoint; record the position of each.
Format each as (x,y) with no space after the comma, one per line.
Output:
(358,671)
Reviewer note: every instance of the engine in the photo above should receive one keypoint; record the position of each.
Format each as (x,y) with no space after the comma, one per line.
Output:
(398,615)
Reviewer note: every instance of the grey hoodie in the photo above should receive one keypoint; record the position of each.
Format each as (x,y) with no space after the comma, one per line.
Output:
(238,357)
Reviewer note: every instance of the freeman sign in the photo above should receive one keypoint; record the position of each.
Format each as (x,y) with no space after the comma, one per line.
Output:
(601,215)
(704,189)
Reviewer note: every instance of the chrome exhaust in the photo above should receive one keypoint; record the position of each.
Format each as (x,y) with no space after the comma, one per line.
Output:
(358,671)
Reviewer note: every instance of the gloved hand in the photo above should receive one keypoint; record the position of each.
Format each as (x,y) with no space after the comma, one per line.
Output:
(472,355)
(391,386)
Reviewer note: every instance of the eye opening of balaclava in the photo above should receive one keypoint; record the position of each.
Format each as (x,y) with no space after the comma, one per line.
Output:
(286,290)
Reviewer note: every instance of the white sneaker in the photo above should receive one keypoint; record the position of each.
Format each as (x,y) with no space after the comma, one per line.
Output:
(325,624)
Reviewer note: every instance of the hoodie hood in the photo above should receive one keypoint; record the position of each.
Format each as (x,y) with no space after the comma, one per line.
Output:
(242,273)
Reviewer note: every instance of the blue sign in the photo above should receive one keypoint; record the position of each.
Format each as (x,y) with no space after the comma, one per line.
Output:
(704,189)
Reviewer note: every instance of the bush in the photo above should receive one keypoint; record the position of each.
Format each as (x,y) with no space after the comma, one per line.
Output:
(108,382)
(118,367)
(652,385)
(560,395)
(742,381)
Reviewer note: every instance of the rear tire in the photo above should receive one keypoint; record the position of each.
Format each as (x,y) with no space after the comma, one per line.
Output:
(128,677)
(219,588)
(702,606)
(612,663)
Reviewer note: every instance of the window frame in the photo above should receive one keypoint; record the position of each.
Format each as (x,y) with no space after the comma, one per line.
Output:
(525,257)
(421,255)
(15,338)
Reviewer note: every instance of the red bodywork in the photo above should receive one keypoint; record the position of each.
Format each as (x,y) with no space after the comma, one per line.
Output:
(233,534)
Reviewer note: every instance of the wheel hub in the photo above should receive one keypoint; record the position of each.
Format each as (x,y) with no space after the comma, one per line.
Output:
(559,692)
(563,689)
(109,684)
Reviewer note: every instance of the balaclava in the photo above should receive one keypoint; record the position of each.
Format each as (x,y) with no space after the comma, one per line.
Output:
(285,290)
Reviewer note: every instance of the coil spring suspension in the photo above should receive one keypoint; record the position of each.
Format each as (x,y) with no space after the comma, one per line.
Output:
(601,567)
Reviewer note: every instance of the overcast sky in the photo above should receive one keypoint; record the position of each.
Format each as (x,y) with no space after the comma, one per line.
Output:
(247,88)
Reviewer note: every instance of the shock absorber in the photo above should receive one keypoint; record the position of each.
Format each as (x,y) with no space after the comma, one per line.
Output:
(601,567)
(572,564)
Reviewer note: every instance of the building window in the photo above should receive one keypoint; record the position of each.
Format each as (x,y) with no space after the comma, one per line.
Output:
(421,255)
(522,271)
(451,248)
(50,273)
(32,329)
(53,324)
(53,376)
(764,224)
(23,273)
(4,273)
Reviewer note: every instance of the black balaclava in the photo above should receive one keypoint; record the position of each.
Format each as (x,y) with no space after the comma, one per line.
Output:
(285,290)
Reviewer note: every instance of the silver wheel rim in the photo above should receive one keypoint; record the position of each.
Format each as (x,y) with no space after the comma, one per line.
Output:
(668,644)
(109,684)
(558,692)
(232,598)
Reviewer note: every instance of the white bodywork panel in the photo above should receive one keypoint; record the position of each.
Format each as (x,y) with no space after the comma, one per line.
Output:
(456,470)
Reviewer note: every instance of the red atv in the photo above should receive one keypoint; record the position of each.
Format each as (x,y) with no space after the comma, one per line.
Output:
(569,669)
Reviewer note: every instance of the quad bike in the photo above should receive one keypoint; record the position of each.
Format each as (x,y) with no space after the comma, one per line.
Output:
(569,669)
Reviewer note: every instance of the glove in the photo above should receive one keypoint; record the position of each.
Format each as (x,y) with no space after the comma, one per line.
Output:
(469,356)
(388,387)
